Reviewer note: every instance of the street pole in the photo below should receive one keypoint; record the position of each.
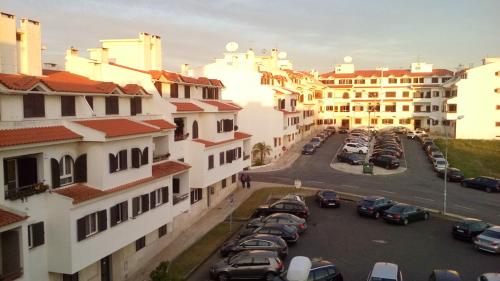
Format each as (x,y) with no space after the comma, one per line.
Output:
(446,167)
(231,204)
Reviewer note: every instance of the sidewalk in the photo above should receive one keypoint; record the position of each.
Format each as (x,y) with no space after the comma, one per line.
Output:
(196,231)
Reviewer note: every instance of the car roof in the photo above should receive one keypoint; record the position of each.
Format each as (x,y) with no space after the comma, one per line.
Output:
(385,270)
(403,205)
(268,237)
(259,253)
(273,225)
(290,201)
(492,276)
(495,228)
(373,197)
(315,263)
(446,275)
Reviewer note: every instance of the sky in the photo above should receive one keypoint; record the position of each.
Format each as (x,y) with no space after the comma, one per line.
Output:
(315,34)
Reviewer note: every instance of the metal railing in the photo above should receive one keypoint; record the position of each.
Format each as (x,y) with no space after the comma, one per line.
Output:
(24,191)
(180,197)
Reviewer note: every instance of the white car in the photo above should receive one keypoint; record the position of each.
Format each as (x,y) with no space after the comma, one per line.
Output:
(489,277)
(440,164)
(355,148)
(411,135)
(384,271)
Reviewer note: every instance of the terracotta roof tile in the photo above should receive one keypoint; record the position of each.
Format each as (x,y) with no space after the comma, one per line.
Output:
(10,137)
(7,218)
(221,106)
(160,123)
(117,127)
(81,193)
(217,83)
(387,73)
(237,136)
(186,106)
(235,105)
(134,89)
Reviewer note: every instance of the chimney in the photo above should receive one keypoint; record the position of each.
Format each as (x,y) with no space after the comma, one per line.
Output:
(99,54)
(184,69)
(30,48)
(8,48)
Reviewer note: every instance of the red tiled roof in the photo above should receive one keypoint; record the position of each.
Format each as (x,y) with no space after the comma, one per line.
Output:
(7,218)
(235,105)
(10,137)
(117,127)
(81,193)
(186,106)
(387,73)
(216,83)
(133,89)
(160,123)
(237,136)
(221,106)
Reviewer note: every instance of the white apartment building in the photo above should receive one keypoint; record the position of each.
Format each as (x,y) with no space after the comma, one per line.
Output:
(268,90)
(384,97)
(98,175)
(475,97)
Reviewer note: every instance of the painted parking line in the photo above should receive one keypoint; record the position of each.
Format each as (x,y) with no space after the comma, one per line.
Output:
(386,191)
(423,198)
(317,182)
(349,186)
(464,207)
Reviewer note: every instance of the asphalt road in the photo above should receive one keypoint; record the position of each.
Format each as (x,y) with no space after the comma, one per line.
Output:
(417,185)
(355,243)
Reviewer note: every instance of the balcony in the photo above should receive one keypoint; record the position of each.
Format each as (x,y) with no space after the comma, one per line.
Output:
(180,197)
(21,177)
(158,158)
(24,191)
(181,137)
(246,156)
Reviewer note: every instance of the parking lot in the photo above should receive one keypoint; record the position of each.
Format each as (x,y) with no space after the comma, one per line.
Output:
(355,243)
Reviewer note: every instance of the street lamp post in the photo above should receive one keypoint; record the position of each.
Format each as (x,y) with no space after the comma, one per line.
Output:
(446,167)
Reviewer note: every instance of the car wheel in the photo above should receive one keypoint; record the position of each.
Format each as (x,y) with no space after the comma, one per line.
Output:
(269,276)
(488,189)
(377,215)
(405,221)
(426,216)
(223,276)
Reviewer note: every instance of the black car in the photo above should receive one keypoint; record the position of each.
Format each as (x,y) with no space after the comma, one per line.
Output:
(343,130)
(321,270)
(281,218)
(296,208)
(444,275)
(403,214)
(308,149)
(487,184)
(255,242)
(351,158)
(248,265)
(452,174)
(377,152)
(327,198)
(287,232)
(385,161)
(467,229)
(373,206)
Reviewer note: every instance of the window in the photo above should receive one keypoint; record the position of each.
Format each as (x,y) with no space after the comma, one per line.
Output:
(405,80)
(387,121)
(374,121)
(345,95)
(390,108)
(390,94)
(139,158)
(221,156)
(118,213)
(406,94)
(112,105)
(373,81)
(233,178)
(118,162)
(91,224)
(196,195)
(435,80)
(140,204)
(497,124)
(66,170)
(90,101)
(140,243)
(330,94)
(406,108)
(498,107)
(36,234)
(359,94)
(156,198)
(223,183)
(162,231)
(33,105)
(393,80)
(187,92)
(210,162)
(70,277)
(404,121)
(435,94)
(225,125)
(68,106)
(135,106)
(435,108)
(195,129)
(357,121)
(359,81)
(373,95)
(174,90)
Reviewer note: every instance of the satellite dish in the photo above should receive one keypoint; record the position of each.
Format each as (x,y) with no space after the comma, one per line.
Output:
(347,59)
(232,46)
(282,55)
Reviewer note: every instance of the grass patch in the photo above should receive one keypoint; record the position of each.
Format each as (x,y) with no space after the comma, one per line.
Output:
(473,157)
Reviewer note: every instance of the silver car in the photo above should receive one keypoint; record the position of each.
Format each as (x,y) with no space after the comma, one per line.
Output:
(489,240)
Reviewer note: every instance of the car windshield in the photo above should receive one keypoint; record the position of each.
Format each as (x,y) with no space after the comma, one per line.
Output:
(329,194)
(315,139)
(492,233)
(441,162)
(368,203)
(397,209)
(289,228)
(308,146)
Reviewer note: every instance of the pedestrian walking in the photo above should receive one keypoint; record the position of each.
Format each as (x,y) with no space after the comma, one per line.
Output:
(247,179)
(243,179)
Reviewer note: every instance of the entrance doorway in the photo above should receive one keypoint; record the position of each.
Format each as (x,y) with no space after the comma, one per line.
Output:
(345,123)
(106,269)
(418,124)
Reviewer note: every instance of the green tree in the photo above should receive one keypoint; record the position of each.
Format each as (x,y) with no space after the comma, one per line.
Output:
(262,149)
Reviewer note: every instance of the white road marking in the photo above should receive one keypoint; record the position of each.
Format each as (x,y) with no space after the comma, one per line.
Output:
(423,198)
(379,241)
(463,207)
(350,186)
(320,182)
(385,191)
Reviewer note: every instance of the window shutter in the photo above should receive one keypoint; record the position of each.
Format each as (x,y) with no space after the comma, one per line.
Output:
(102,220)
(192,196)
(164,194)
(54,164)
(113,215)
(136,155)
(81,168)
(200,194)
(152,199)
(145,156)
(221,158)
(124,206)
(113,164)
(135,206)
(80,229)
(145,202)
(239,152)
(38,234)
(219,127)
(123,159)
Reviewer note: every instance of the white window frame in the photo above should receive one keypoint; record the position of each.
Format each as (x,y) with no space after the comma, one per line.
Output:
(119,213)
(30,236)
(88,224)
(66,177)
(158,197)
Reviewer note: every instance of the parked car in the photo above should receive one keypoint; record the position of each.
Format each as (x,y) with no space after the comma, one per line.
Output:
(351,158)
(316,142)
(467,229)
(373,206)
(436,155)
(385,161)
(377,152)
(452,174)
(489,277)
(487,184)
(343,130)
(355,148)
(294,197)
(289,233)
(444,275)
(281,218)
(321,270)
(355,140)
(489,240)
(404,214)
(440,164)
(308,148)
(296,208)
(384,271)
(255,242)
(328,198)
(331,129)
(248,265)
(411,135)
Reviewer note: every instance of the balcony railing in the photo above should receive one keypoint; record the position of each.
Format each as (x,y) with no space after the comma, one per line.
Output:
(24,191)
(246,157)
(162,157)
(180,137)
(180,197)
